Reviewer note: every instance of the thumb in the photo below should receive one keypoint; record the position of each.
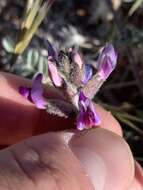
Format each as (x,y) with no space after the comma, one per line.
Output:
(93,159)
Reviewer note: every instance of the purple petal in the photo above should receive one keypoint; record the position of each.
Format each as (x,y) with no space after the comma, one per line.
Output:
(107,61)
(37,92)
(106,69)
(24,91)
(54,75)
(110,51)
(52,51)
(87,116)
(94,117)
(82,97)
(80,124)
(87,73)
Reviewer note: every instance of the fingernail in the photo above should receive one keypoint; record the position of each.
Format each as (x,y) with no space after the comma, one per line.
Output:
(103,155)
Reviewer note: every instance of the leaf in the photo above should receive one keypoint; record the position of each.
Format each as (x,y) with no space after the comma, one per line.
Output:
(29,5)
(45,69)
(135,6)
(8,45)
(139,159)
(34,22)
(29,59)
(31,14)
(41,64)
(32,58)
(128,123)
(139,113)
(35,57)
(132,118)
(27,10)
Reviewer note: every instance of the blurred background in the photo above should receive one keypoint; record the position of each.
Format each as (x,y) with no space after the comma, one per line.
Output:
(88,25)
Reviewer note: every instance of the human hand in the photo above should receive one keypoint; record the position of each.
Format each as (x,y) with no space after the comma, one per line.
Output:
(93,159)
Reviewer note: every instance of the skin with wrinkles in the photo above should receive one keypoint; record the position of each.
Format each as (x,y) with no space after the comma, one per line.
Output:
(51,160)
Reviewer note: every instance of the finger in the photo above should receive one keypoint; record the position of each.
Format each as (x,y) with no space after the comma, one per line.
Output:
(111,155)
(20,119)
(63,160)
(137,183)
(108,121)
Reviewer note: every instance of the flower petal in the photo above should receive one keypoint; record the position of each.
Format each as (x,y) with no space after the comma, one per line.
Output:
(106,69)
(24,91)
(52,51)
(87,116)
(37,92)
(54,75)
(87,73)
(82,97)
(80,124)
(110,51)
(107,61)
(95,119)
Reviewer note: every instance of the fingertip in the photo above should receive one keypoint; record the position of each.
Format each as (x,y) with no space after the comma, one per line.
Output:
(108,121)
(104,155)
(139,172)
(19,117)
(9,85)
(137,183)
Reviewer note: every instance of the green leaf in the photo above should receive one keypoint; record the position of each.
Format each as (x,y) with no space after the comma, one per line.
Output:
(35,57)
(41,64)
(32,58)
(135,6)
(131,117)
(45,69)
(29,5)
(31,14)
(128,123)
(139,113)
(8,45)
(32,25)
(140,159)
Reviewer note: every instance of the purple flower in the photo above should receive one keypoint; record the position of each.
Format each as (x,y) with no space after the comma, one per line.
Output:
(87,116)
(107,61)
(87,73)
(54,75)
(35,94)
